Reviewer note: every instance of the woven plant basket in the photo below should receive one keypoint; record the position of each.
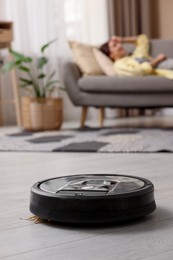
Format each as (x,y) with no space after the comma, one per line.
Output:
(40,114)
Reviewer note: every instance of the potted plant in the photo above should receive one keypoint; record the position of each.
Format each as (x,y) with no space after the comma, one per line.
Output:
(40,111)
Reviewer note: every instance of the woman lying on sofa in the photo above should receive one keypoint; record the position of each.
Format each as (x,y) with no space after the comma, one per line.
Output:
(139,62)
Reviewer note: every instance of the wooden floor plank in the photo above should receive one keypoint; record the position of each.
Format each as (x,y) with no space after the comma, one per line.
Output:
(140,240)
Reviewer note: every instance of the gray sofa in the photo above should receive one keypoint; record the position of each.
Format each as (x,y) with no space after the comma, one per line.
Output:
(120,92)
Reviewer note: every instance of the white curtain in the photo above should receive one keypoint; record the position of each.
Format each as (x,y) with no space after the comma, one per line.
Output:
(39,21)
(34,24)
(86,20)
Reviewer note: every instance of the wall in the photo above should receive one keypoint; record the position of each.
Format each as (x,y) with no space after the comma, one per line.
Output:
(166,19)
(161,19)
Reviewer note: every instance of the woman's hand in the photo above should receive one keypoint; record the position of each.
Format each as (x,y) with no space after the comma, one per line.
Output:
(116,39)
(161,57)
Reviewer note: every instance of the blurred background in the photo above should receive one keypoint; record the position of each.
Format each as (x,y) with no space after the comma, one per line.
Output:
(87,21)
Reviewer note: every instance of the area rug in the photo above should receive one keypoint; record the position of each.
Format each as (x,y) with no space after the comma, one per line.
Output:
(103,140)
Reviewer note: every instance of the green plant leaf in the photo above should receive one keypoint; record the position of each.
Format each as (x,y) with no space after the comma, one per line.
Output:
(20,57)
(52,75)
(62,88)
(49,83)
(10,65)
(51,89)
(27,81)
(24,68)
(41,62)
(41,76)
(45,46)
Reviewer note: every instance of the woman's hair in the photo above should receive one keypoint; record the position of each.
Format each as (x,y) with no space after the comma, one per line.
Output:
(105,48)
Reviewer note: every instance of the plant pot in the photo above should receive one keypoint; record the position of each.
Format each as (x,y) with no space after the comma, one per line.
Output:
(39,114)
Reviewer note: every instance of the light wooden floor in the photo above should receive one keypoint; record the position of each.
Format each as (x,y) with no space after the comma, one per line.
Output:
(20,239)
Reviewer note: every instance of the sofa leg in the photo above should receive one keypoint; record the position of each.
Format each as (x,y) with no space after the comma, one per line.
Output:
(101,115)
(83,116)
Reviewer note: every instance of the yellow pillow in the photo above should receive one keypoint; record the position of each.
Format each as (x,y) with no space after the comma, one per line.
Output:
(85,59)
(105,63)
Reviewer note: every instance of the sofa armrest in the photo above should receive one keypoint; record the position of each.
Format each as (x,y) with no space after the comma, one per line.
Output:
(71,74)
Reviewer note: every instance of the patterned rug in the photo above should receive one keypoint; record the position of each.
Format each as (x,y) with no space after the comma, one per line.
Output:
(104,140)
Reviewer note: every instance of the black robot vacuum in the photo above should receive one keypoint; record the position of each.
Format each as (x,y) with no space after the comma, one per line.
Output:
(96,198)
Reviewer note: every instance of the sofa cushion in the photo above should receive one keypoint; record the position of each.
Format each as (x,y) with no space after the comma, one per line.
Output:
(162,46)
(143,84)
(105,63)
(84,57)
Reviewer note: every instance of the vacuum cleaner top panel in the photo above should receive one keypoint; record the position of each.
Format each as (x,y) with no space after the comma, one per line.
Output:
(92,185)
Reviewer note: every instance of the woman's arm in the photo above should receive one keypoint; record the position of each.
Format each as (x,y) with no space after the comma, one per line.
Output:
(154,62)
(131,39)
(119,39)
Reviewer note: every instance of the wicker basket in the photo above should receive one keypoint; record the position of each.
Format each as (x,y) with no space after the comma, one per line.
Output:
(39,114)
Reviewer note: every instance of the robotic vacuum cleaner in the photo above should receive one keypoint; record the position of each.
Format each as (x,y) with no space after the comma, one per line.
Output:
(96,198)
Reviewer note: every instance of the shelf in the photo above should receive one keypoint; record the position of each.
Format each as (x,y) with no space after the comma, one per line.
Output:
(6,34)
